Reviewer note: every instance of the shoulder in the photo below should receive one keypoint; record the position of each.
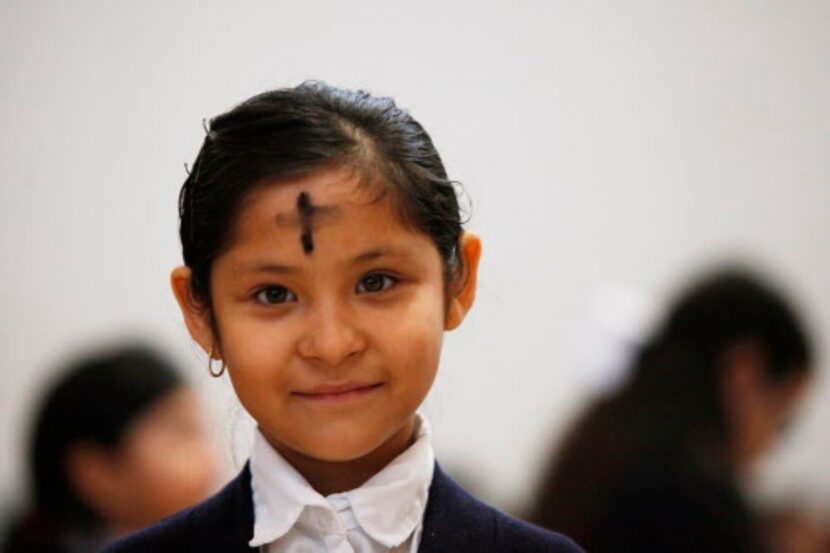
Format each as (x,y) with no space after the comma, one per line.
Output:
(457,521)
(167,536)
(223,522)
(518,536)
(31,533)
(674,507)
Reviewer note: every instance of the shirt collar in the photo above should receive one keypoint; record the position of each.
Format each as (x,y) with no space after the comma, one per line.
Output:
(389,506)
(280,493)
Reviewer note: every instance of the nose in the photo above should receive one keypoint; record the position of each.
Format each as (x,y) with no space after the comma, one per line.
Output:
(332,334)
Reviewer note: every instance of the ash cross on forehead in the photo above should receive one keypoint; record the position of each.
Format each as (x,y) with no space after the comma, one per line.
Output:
(308,217)
(306,212)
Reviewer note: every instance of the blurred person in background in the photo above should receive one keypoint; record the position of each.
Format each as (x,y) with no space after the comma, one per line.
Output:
(658,463)
(118,443)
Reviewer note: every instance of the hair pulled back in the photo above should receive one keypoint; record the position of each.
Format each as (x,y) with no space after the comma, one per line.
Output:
(295,131)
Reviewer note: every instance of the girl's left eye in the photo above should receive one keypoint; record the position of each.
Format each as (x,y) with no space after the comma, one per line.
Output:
(375,282)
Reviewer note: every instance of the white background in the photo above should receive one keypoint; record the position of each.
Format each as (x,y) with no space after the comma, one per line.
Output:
(616,144)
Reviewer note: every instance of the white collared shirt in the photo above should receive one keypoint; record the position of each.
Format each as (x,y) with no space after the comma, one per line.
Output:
(384,514)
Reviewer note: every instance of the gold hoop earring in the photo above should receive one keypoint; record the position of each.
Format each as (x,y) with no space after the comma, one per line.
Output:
(210,365)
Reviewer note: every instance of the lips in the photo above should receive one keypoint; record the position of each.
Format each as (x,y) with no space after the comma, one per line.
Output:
(338,392)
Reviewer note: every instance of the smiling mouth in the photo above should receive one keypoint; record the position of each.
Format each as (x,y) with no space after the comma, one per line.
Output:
(347,392)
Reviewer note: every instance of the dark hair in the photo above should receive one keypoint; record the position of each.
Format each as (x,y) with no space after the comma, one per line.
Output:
(295,131)
(94,400)
(730,306)
(665,427)
(682,365)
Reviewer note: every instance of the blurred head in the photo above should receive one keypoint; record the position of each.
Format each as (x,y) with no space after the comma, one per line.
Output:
(119,442)
(734,354)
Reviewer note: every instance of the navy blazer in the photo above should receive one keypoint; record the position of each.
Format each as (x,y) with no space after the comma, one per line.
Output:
(454,521)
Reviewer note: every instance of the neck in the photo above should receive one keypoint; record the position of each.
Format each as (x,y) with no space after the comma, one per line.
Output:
(329,477)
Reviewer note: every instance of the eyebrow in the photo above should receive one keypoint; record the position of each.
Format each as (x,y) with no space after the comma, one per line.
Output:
(266,267)
(382,252)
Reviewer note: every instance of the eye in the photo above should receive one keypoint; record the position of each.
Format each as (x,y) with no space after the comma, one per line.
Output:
(375,282)
(274,295)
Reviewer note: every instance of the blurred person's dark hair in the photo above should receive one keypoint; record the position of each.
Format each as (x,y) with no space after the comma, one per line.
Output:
(96,401)
(93,401)
(655,464)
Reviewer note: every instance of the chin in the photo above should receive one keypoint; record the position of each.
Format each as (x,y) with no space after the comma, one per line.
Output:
(341,449)
(340,440)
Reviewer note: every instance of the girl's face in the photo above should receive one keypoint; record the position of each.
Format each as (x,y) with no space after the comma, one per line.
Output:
(330,314)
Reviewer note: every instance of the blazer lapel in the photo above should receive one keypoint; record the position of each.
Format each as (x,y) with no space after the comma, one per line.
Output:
(454,520)
(242,529)
(228,523)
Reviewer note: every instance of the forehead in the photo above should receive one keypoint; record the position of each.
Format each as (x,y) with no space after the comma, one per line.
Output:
(336,188)
(342,202)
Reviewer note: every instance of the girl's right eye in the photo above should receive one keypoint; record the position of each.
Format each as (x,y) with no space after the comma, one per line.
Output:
(275,295)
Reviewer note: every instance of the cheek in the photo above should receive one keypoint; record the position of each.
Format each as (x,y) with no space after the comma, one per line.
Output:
(411,344)
(255,353)
(168,474)
(760,430)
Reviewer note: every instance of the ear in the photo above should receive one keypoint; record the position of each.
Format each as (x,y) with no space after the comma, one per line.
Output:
(463,292)
(196,316)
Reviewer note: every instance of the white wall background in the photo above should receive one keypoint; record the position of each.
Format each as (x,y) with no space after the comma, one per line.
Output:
(603,144)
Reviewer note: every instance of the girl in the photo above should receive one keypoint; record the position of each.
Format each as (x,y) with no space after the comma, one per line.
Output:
(324,259)
(118,444)
(657,465)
